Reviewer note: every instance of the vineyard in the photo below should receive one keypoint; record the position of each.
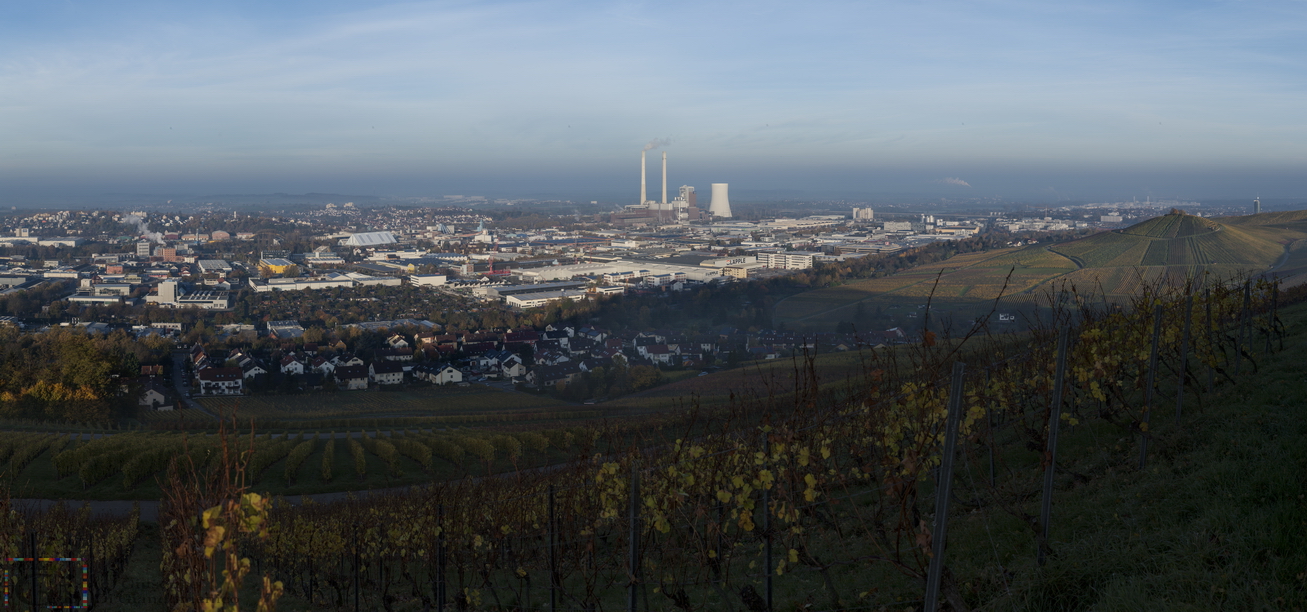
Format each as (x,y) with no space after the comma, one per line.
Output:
(475,399)
(1174,247)
(129,465)
(800,503)
(65,557)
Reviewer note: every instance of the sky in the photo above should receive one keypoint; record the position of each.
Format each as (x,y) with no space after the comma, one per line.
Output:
(1009,99)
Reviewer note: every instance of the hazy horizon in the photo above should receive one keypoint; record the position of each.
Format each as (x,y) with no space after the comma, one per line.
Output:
(1015,100)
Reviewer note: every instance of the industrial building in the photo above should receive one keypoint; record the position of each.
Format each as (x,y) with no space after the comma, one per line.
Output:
(533,300)
(276,265)
(788,260)
(350,279)
(554,273)
(505,291)
(172,294)
(369,239)
(214,266)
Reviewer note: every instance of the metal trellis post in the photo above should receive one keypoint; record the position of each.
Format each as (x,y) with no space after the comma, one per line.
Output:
(1211,341)
(1150,380)
(356,567)
(634,561)
(1054,422)
(440,560)
(553,557)
(943,490)
(766,523)
(1184,357)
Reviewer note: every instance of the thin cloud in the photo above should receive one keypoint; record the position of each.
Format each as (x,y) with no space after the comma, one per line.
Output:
(954,181)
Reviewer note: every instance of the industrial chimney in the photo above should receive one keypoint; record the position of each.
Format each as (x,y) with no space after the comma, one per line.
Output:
(721,205)
(642,178)
(664,180)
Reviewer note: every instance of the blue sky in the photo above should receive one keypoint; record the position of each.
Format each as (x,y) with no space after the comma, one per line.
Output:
(1017,99)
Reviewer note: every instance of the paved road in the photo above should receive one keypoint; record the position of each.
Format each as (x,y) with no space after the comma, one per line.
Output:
(182,383)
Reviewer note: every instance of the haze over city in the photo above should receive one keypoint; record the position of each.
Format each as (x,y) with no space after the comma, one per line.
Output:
(995,99)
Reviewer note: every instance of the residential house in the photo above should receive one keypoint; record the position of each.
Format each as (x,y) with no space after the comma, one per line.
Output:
(438,374)
(660,354)
(250,368)
(291,364)
(477,348)
(351,377)
(507,363)
(322,365)
(425,339)
(581,346)
(547,376)
(551,357)
(392,354)
(221,381)
(155,395)
(589,364)
(397,341)
(346,360)
(517,338)
(561,336)
(386,372)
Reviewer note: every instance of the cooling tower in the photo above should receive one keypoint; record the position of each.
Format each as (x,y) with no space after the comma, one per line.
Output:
(721,205)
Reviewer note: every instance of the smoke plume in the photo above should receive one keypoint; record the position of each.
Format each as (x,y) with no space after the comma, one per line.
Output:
(143,228)
(954,181)
(657,142)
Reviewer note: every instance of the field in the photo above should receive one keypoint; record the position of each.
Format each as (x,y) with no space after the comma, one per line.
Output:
(1174,246)
(423,401)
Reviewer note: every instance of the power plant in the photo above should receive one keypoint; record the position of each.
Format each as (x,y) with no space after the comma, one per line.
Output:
(683,209)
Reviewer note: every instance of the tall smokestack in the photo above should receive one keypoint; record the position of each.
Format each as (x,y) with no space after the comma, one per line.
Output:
(664,179)
(642,164)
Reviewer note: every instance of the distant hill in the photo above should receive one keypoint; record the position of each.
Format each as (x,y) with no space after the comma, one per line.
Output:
(1174,246)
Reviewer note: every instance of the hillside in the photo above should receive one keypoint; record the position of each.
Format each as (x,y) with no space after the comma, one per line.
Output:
(1174,246)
